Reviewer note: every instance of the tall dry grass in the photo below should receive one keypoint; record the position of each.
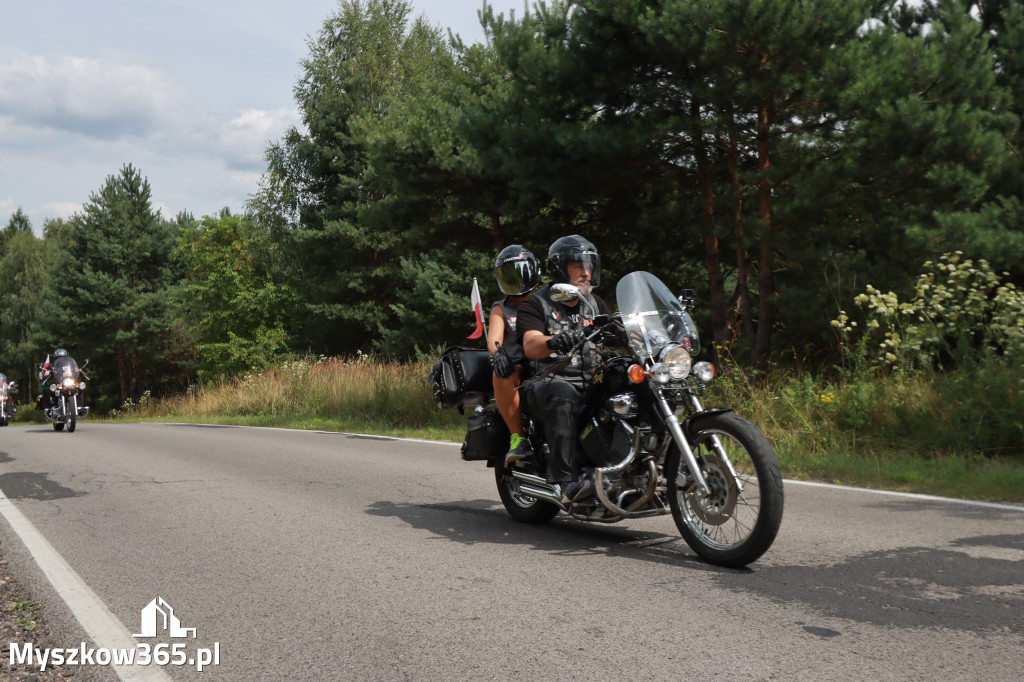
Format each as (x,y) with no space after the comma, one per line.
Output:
(344,392)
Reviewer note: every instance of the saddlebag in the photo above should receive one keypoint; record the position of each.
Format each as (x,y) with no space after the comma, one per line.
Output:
(486,436)
(462,377)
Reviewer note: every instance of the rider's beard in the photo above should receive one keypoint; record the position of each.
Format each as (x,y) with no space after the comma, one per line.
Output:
(585,288)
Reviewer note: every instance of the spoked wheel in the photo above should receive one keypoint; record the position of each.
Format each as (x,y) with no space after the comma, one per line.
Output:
(521,507)
(738,521)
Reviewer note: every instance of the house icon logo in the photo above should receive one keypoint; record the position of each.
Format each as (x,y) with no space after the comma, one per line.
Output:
(158,615)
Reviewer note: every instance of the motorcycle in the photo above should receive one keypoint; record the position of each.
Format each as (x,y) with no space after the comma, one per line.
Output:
(7,406)
(66,394)
(654,447)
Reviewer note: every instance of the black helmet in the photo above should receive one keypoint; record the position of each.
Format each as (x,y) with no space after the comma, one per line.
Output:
(573,248)
(517,270)
(60,353)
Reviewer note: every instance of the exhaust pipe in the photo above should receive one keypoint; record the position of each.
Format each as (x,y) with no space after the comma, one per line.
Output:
(547,493)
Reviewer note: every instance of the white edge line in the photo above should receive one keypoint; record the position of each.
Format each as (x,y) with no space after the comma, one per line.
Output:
(815,484)
(105,630)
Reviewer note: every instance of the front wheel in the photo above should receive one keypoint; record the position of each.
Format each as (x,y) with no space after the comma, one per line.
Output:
(738,522)
(522,508)
(72,413)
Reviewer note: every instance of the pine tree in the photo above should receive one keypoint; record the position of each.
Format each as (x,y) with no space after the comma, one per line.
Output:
(109,281)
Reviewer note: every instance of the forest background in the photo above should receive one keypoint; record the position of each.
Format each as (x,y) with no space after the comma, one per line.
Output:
(841,181)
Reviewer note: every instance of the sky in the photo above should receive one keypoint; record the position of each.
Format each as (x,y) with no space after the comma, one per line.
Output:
(190,92)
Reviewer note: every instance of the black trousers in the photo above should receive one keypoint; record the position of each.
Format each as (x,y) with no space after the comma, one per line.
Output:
(554,403)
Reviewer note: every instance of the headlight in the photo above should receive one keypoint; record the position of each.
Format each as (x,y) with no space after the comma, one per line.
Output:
(660,373)
(69,382)
(704,371)
(55,388)
(678,360)
(82,385)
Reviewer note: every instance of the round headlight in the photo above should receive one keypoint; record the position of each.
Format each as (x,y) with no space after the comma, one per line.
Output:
(704,371)
(678,360)
(54,387)
(660,373)
(82,385)
(69,382)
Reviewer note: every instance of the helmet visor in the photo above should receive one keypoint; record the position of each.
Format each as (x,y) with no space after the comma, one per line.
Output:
(517,277)
(583,260)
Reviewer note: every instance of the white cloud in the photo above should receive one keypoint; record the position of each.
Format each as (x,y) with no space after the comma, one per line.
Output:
(244,138)
(106,98)
(61,209)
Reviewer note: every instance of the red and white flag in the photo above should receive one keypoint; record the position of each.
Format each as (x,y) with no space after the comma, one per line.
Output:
(478,309)
(46,365)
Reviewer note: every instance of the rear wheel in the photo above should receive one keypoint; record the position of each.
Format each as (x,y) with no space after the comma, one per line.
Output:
(736,523)
(520,507)
(57,426)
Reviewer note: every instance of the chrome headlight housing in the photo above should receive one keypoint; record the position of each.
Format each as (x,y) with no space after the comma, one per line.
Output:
(674,364)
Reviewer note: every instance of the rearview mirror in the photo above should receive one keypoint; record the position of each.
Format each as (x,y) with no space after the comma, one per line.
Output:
(565,292)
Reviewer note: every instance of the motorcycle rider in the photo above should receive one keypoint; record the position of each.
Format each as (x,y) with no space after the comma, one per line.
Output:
(548,330)
(12,390)
(517,271)
(51,373)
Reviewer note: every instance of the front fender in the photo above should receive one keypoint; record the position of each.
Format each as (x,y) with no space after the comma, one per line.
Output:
(688,426)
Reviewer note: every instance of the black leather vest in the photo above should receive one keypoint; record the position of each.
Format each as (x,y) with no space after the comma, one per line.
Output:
(559,317)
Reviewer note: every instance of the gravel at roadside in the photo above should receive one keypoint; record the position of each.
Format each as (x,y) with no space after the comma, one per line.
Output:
(23,621)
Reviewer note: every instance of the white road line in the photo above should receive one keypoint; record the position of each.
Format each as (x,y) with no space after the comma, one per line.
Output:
(913,496)
(105,630)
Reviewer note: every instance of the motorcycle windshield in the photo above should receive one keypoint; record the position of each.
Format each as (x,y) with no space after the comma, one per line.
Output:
(654,319)
(65,367)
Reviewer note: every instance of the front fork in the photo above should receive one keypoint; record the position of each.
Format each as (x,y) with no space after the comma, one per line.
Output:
(672,422)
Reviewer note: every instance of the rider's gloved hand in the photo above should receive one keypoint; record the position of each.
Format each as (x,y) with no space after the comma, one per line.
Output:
(565,341)
(503,365)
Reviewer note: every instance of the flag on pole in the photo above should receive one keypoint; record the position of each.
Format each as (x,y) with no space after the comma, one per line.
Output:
(46,365)
(478,309)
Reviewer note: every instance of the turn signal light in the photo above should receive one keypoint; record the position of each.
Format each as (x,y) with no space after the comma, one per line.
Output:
(636,374)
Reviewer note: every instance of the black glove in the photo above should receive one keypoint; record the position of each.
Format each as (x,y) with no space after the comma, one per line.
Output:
(503,364)
(563,342)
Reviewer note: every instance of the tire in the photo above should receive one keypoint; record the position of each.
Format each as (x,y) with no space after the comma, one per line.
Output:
(522,508)
(72,414)
(732,527)
(57,426)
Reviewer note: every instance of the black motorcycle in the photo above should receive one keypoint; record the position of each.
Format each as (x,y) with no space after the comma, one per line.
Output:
(7,406)
(64,394)
(654,448)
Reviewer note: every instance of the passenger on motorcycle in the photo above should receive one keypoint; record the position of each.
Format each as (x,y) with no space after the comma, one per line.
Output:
(517,271)
(548,330)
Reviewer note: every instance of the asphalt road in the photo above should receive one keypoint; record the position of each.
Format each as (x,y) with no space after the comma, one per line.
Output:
(313,556)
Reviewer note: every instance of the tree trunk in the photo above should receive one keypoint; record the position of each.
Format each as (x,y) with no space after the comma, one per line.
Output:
(712,247)
(122,370)
(761,353)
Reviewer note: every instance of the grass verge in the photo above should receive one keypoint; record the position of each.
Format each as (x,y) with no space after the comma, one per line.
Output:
(960,436)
